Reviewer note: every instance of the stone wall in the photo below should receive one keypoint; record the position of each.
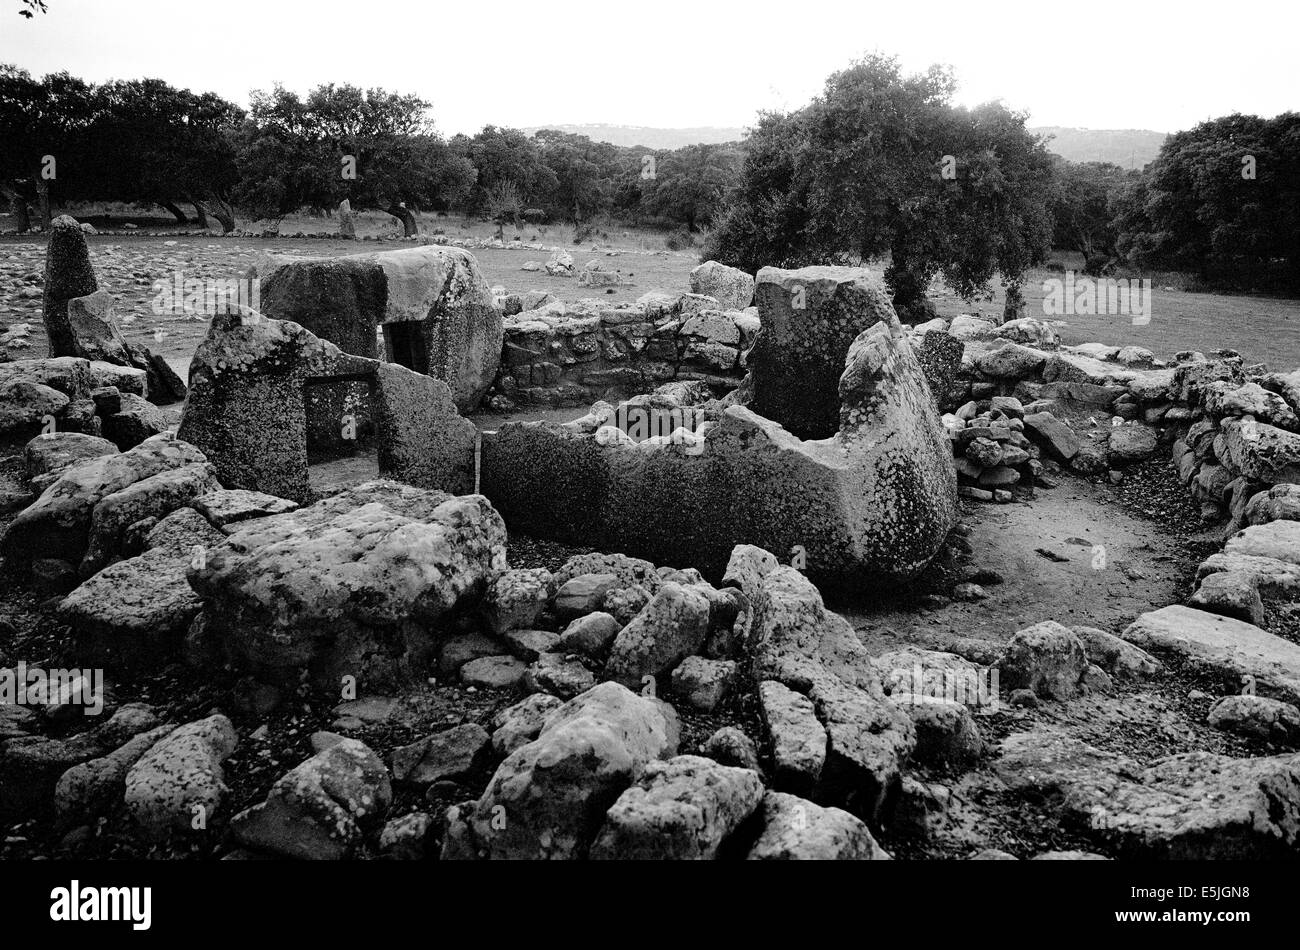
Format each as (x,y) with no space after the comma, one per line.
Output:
(558,354)
(1231,430)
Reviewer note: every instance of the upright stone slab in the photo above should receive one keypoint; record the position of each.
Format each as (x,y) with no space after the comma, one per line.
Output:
(248,410)
(68,274)
(438,314)
(810,317)
(347,223)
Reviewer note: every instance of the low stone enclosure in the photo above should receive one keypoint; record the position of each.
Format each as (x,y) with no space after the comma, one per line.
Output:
(682,692)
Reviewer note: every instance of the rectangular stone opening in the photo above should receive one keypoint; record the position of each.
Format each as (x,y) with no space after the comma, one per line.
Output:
(404,344)
(342,442)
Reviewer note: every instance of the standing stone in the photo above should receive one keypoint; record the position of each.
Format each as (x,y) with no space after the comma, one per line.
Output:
(347,223)
(733,289)
(68,274)
(809,318)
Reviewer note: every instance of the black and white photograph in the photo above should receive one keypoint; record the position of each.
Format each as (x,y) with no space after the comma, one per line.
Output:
(438,434)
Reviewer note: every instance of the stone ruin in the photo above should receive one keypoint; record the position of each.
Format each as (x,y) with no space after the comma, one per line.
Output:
(210,550)
(867,506)
(79,318)
(433,308)
(265,393)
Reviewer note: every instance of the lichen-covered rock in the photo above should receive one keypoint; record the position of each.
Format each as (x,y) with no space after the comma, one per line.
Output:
(548,799)
(1047,658)
(68,274)
(795,829)
(516,598)
(732,288)
(58,524)
(518,725)
(671,627)
(450,755)
(178,785)
(1258,716)
(352,585)
(95,787)
(702,684)
(134,612)
(54,453)
(320,810)
(681,809)
(1279,503)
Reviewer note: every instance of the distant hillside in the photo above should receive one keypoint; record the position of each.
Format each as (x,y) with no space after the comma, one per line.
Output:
(1127,148)
(651,138)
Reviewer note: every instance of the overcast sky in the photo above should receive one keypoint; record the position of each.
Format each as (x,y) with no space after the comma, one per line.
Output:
(1097,64)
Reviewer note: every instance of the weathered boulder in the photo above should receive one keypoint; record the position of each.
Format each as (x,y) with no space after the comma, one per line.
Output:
(1046,658)
(795,829)
(58,524)
(810,318)
(1261,451)
(225,507)
(517,725)
(1193,806)
(516,598)
(320,810)
(355,584)
(797,739)
(178,785)
(671,627)
(95,336)
(683,809)
(134,612)
(449,755)
(548,799)
(1279,503)
(1223,644)
(53,453)
(1130,444)
(1258,716)
(95,787)
(31,765)
(154,497)
(731,287)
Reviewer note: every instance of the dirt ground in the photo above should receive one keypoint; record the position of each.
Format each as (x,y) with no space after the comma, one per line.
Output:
(1069,554)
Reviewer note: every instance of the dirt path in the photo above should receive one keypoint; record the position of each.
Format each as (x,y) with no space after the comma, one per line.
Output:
(1106,566)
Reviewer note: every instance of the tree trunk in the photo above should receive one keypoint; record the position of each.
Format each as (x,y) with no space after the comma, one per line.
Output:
(43,202)
(220,209)
(200,214)
(404,215)
(177,213)
(18,209)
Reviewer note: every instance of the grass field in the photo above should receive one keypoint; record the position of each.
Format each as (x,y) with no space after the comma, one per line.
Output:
(1264,329)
